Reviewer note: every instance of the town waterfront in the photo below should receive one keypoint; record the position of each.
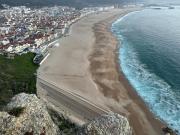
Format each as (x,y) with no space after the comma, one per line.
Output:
(149,58)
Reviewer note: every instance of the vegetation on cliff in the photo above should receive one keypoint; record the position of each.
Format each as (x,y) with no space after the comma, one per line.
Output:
(65,126)
(17,75)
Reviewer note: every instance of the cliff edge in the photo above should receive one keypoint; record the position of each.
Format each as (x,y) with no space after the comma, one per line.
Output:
(28,115)
(107,124)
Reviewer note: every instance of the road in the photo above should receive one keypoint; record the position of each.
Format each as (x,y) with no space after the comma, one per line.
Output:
(78,106)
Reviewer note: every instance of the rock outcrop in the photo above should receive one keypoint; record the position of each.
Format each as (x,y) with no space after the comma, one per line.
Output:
(107,124)
(26,114)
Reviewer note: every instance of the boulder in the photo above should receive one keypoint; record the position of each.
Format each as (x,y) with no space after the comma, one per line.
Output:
(26,114)
(107,124)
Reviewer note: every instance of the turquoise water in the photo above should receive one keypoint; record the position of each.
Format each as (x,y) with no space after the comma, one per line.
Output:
(150,59)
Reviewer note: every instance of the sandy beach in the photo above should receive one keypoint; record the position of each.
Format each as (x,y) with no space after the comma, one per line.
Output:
(86,63)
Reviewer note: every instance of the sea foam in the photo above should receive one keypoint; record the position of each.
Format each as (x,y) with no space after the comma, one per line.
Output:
(156,93)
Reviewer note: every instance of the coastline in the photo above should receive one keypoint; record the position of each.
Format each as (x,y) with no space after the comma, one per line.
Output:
(77,65)
(133,116)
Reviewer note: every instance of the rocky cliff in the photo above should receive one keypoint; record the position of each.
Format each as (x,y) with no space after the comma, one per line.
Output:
(28,115)
(107,124)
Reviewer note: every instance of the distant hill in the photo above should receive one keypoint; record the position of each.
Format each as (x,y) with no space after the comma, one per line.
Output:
(73,3)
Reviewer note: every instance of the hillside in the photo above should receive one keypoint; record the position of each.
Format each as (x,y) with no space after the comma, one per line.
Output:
(17,75)
(73,3)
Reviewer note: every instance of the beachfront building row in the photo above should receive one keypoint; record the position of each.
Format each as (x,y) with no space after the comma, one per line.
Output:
(23,29)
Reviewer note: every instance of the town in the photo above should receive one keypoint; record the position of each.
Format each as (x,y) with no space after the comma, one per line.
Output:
(25,30)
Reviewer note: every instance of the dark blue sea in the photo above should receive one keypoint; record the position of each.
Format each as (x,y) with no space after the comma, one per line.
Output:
(150,59)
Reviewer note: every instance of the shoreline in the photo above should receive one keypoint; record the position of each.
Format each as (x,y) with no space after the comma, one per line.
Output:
(76,65)
(156,123)
(133,93)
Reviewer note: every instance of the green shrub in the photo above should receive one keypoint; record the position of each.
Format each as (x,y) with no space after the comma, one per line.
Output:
(16,76)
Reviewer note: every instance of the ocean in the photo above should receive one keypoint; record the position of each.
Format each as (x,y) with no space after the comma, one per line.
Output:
(150,59)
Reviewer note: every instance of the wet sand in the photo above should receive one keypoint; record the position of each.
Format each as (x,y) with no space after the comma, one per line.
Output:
(86,63)
(107,73)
